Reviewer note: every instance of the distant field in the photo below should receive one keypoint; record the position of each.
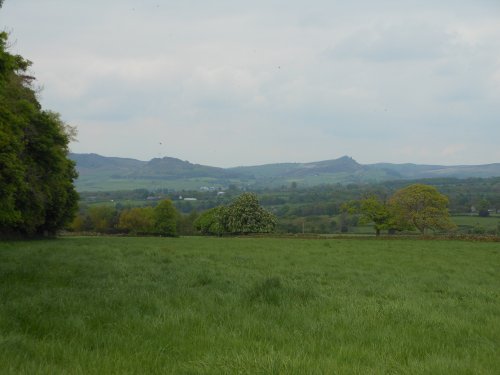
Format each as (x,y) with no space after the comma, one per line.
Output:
(490,223)
(244,305)
(92,184)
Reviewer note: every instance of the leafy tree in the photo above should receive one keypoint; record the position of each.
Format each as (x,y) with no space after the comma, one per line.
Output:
(137,220)
(422,207)
(36,176)
(165,218)
(376,212)
(245,215)
(103,218)
(212,221)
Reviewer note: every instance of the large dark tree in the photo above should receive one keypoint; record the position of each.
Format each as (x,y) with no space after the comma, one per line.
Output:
(37,195)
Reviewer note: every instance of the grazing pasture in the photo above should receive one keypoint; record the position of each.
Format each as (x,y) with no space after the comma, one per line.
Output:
(198,305)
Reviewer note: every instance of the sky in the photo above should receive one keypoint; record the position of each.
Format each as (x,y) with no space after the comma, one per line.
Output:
(229,83)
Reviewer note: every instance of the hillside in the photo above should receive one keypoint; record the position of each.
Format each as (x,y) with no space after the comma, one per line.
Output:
(112,173)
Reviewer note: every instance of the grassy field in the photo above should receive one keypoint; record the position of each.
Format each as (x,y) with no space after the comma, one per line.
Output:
(249,306)
(489,224)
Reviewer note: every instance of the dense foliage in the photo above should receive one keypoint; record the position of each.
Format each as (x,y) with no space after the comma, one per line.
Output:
(165,218)
(36,176)
(303,210)
(243,216)
(162,219)
(422,207)
(375,211)
(212,221)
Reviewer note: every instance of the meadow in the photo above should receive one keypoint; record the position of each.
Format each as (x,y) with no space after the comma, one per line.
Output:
(193,305)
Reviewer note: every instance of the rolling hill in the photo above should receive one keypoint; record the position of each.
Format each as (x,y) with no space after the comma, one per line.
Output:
(98,172)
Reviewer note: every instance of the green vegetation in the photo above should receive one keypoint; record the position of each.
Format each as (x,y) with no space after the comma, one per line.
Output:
(245,305)
(137,220)
(420,207)
(373,210)
(478,225)
(417,206)
(165,218)
(243,216)
(36,176)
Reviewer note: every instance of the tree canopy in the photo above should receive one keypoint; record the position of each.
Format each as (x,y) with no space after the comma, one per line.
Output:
(422,207)
(36,176)
(165,218)
(374,211)
(243,216)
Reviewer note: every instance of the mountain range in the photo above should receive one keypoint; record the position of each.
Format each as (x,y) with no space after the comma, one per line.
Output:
(98,172)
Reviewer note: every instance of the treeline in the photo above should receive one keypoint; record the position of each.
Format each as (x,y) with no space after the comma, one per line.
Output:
(296,201)
(417,207)
(162,219)
(243,216)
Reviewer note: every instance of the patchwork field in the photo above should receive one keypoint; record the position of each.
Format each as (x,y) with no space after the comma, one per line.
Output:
(244,305)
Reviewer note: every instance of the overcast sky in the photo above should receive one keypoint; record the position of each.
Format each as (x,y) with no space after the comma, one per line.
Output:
(229,83)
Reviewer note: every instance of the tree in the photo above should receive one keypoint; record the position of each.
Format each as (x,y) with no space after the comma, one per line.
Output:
(212,221)
(103,218)
(165,218)
(376,212)
(245,215)
(422,207)
(137,220)
(36,175)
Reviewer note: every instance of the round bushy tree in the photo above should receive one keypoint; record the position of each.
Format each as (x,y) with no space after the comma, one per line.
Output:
(420,207)
(245,215)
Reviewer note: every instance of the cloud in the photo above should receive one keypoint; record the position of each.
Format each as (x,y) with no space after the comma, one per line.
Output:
(393,42)
(229,83)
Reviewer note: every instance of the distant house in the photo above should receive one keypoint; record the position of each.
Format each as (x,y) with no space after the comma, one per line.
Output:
(190,199)
(221,193)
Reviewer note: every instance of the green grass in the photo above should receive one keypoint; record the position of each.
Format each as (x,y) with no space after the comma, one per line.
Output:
(490,223)
(249,306)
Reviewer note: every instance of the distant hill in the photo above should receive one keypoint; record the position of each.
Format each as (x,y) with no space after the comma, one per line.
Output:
(343,164)
(90,163)
(98,172)
(172,168)
(414,171)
